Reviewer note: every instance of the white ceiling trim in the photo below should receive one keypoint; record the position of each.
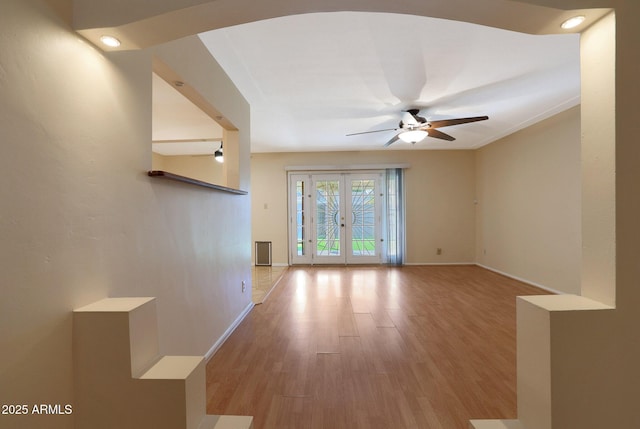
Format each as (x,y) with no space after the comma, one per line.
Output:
(348,167)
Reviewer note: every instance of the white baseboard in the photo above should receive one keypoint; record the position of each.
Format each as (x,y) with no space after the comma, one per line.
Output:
(538,285)
(275,264)
(548,289)
(438,263)
(228,332)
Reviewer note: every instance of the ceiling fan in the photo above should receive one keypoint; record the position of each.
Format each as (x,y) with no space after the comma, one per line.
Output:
(416,128)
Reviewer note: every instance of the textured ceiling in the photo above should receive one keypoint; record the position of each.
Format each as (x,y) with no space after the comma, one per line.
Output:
(311,79)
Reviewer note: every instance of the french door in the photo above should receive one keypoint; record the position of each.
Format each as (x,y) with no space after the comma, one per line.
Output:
(335,218)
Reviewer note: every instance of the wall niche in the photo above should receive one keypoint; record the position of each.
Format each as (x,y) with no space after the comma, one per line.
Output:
(187,134)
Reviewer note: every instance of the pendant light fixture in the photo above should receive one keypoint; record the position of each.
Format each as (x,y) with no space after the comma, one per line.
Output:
(218,155)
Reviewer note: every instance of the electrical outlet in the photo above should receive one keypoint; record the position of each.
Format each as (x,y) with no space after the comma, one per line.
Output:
(438,251)
(244,286)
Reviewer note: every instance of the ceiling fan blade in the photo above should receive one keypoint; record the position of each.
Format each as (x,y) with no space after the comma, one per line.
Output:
(392,141)
(439,134)
(458,121)
(369,132)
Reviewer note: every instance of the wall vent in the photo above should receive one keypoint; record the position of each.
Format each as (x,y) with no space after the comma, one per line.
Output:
(263,253)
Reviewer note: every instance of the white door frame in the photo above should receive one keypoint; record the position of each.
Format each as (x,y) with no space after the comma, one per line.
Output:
(300,239)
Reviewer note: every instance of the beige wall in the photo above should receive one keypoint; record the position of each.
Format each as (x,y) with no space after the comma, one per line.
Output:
(157,161)
(526,222)
(200,167)
(598,53)
(439,199)
(529,206)
(81,220)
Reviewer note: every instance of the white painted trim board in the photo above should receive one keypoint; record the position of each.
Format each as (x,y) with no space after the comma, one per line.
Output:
(212,351)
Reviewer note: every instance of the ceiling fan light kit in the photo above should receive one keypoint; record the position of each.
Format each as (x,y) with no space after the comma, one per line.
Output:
(413,136)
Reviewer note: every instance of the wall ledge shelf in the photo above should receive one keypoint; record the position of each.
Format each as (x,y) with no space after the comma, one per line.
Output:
(178,178)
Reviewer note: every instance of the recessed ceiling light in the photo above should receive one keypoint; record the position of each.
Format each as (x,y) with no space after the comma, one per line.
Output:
(573,22)
(110,41)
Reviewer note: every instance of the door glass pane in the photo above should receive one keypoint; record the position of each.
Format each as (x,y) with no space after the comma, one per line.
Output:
(300,218)
(363,238)
(328,218)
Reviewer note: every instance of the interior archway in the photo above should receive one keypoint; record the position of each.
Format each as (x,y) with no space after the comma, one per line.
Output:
(152,24)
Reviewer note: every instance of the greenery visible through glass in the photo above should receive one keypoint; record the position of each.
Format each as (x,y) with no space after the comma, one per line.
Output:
(300,214)
(363,222)
(328,218)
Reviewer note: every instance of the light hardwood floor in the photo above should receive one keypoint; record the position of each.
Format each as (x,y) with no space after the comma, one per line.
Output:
(373,347)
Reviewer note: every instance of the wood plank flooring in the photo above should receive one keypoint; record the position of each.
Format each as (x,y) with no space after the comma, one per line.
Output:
(373,347)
